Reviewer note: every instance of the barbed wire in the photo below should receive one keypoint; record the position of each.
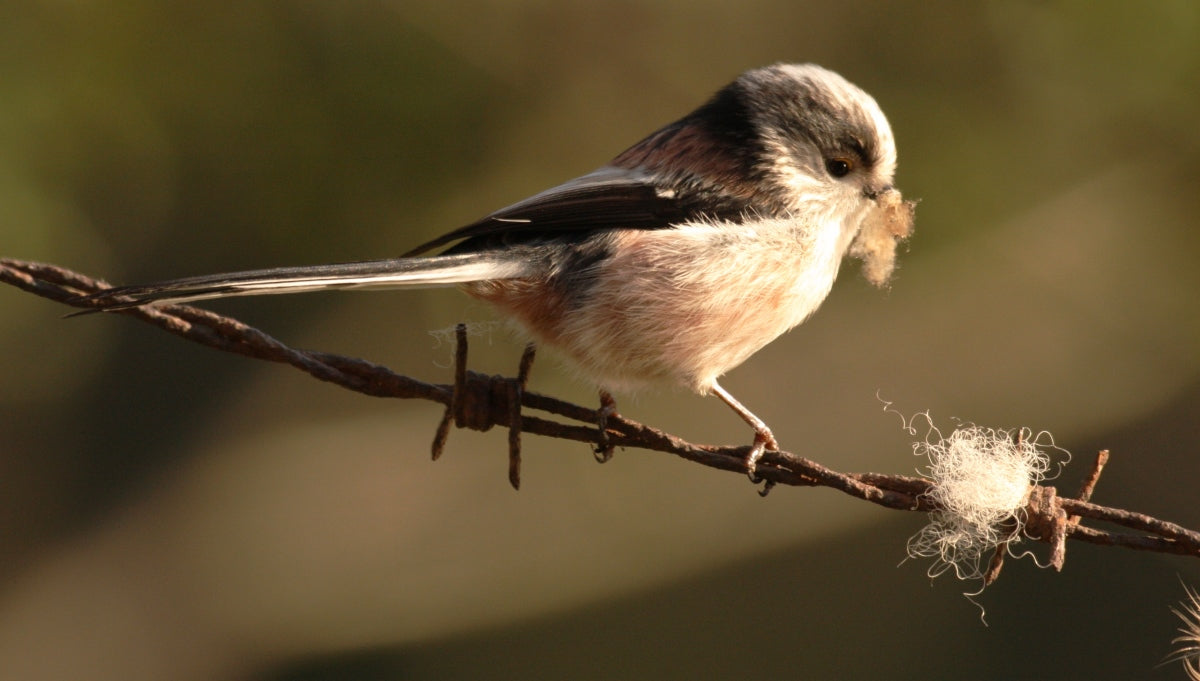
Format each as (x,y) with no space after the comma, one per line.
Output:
(480,402)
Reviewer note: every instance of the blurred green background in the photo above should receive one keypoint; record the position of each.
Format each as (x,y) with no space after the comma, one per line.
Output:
(167,511)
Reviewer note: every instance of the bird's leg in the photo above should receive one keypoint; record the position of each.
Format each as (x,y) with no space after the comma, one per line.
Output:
(763,438)
(608,407)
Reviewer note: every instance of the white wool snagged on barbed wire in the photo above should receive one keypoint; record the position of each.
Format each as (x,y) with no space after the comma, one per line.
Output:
(982,477)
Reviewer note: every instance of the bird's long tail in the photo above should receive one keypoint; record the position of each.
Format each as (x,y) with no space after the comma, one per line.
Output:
(432,271)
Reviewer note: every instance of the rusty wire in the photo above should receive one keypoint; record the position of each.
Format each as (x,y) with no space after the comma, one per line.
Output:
(480,401)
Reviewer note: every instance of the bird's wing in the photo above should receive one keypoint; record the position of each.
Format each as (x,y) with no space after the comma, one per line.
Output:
(611,197)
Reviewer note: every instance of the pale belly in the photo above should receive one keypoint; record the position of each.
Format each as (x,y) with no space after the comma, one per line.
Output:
(650,314)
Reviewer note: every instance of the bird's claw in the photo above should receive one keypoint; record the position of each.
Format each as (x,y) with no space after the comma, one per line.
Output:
(608,407)
(763,441)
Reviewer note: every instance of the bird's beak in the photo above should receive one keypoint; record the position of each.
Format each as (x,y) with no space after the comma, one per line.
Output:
(874,193)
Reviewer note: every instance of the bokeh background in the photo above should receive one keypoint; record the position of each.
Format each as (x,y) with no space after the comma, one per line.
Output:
(167,511)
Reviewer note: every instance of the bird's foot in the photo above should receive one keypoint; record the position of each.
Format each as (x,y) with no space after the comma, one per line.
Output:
(763,441)
(608,408)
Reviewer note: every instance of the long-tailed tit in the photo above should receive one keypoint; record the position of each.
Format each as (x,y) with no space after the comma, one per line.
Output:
(678,259)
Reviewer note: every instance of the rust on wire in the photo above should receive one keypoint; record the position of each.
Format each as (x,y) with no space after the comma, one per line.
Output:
(478,402)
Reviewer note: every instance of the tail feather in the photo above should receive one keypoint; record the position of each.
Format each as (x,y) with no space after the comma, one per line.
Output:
(392,273)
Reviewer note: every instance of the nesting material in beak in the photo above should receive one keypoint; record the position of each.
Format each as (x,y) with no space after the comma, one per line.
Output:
(888,223)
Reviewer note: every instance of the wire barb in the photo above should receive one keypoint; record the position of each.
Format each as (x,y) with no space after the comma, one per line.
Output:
(478,401)
(515,394)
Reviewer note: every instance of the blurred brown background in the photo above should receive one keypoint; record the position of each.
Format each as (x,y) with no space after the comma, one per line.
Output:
(167,511)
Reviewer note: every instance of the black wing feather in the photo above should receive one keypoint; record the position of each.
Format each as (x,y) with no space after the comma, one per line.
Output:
(607,198)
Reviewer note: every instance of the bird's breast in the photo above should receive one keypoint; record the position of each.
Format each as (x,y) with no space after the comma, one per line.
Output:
(681,305)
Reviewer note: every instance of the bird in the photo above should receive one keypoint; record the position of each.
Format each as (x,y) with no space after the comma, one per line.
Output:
(674,262)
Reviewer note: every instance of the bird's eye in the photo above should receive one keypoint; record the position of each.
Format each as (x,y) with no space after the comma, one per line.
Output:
(839,167)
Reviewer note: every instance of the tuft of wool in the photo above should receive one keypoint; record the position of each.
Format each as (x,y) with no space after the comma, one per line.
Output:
(982,478)
(888,224)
